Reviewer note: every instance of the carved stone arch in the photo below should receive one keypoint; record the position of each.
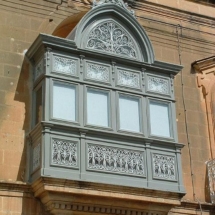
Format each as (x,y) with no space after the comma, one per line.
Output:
(213,105)
(205,69)
(123,18)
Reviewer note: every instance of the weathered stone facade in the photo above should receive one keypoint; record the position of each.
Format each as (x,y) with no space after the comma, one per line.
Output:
(181,32)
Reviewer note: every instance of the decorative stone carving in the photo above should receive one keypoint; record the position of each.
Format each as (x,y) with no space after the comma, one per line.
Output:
(159,85)
(129,79)
(211,179)
(115,160)
(119,3)
(98,209)
(97,72)
(36,157)
(64,65)
(38,70)
(64,153)
(164,167)
(110,37)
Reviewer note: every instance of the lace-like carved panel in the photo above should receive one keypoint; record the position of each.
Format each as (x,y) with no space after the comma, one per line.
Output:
(115,160)
(64,153)
(129,79)
(36,157)
(159,85)
(164,167)
(97,72)
(38,70)
(211,179)
(64,65)
(112,38)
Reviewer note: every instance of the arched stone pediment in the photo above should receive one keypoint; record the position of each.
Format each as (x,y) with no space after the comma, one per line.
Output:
(112,29)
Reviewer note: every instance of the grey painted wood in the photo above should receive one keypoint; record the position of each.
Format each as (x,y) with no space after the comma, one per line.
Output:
(105,154)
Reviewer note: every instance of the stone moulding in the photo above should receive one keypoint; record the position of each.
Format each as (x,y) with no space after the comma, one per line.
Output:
(98,209)
(119,3)
(61,196)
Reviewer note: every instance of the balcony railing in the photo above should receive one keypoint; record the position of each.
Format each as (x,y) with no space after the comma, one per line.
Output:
(211,179)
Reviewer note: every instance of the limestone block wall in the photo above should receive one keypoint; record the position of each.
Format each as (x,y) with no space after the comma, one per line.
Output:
(180,31)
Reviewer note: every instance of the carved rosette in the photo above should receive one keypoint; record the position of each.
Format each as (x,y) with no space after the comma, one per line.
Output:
(129,79)
(64,65)
(159,85)
(97,72)
(110,37)
(115,160)
(164,167)
(64,153)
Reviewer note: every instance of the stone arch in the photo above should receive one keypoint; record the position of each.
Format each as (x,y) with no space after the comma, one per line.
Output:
(68,24)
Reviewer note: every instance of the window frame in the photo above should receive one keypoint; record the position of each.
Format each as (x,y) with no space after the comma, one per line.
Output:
(140,107)
(77,99)
(110,111)
(170,115)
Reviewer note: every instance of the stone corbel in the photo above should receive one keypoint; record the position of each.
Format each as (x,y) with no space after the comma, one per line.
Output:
(205,70)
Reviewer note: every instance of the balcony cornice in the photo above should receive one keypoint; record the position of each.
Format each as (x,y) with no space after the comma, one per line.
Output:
(61,196)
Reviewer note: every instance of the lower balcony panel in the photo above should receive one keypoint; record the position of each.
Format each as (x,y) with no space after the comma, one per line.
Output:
(109,161)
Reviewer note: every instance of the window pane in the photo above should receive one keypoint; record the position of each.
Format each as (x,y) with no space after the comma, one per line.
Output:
(64,102)
(97,108)
(129,113)
(38,116)
(159,116)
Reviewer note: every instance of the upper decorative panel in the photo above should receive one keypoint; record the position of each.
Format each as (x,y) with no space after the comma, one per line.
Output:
(97,72)
(158,85)
(112,38)
(129,79)
(64,65)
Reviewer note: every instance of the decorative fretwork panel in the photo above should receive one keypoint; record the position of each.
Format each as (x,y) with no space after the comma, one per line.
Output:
(115,160)
(64,65)
(211,179)
(36,157)
(130,79)
(39,70)
(112,38)
(159,85)
(64,153)
(164,167)
(97,72)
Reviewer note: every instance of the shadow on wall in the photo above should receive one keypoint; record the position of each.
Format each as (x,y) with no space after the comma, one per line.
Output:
(30,205)
(23,94)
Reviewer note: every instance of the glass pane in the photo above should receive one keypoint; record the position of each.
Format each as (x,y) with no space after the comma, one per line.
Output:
(38,114)
(97,108)
(64,101)
(129,113)
(159,116)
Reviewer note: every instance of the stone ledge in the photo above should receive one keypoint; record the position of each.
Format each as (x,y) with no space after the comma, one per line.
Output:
(15,186)
(61,196)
